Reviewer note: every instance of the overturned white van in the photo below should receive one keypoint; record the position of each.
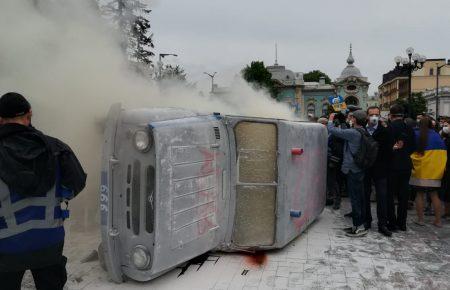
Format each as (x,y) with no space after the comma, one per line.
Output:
(177,184)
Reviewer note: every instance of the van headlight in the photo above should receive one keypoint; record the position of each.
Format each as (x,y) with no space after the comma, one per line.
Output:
(142,140)
(140,257)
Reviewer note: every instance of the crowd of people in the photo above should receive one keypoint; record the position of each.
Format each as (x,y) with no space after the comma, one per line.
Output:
(402,160)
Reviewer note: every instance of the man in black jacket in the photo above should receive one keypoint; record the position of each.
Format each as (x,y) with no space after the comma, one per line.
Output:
(378,172)
(403,145)
(38,173)
(335,158)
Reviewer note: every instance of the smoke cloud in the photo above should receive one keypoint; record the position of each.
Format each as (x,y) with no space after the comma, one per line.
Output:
(67,61)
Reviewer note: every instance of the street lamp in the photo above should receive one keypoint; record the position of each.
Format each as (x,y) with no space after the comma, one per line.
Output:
(160,63)
(438,69)
(212,80)
(413,62)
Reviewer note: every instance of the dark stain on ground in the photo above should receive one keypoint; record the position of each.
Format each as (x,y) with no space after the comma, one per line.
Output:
(199,261)
(257,259)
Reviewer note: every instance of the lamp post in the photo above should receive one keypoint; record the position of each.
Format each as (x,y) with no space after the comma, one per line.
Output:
(413,62)
(212,80)
(438,69)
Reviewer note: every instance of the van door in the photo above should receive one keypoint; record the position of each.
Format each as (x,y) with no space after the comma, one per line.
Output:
(256,184)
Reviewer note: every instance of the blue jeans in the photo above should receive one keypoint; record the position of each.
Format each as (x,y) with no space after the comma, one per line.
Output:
(355,188)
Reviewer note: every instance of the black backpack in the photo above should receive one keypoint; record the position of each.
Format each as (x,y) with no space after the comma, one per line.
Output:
(367,152)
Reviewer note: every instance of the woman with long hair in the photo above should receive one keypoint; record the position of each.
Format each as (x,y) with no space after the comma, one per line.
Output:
(429,162)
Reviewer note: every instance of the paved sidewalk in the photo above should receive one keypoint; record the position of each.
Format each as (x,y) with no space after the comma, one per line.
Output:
(322,258)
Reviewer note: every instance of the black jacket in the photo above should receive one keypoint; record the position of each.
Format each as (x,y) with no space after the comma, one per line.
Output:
(384,139)
(29,161)
(401,158)
(29,164)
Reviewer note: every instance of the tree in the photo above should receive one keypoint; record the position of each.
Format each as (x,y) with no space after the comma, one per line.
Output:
(257,74)
(176,73)
(131,19)
(314,76)
(418,105)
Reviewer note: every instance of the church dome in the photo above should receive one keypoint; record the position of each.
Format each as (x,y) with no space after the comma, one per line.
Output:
(350,70)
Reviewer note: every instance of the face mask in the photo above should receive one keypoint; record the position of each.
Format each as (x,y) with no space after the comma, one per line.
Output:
(374,120)
(446,130)
(350,123)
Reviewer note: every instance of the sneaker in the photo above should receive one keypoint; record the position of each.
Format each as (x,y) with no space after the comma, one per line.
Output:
(357,232)
(419,223)
(348,230)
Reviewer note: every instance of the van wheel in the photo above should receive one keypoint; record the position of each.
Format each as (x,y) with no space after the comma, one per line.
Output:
(101,256)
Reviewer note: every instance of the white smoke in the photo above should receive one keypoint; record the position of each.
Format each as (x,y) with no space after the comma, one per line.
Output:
(67,61)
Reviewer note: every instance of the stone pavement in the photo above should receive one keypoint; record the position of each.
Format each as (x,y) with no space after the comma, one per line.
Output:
(321,258)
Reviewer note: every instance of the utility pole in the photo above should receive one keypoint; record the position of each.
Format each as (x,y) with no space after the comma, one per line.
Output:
(212,80)
(276,54)
(438,69)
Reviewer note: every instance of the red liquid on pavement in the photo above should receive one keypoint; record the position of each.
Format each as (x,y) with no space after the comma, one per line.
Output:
(257,259)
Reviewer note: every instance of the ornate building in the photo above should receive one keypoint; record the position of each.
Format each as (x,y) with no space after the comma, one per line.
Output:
(289,85)
(310,99)
(352,85)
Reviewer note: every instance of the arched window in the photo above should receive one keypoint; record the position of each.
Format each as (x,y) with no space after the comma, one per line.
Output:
(352,100)
(311,109)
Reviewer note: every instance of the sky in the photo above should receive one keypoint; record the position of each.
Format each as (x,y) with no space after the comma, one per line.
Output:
(224,36)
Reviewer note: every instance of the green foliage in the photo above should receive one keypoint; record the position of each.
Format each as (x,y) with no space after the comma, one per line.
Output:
(257,74)
(314,76)
(418,105)
(170,72)
(131,18)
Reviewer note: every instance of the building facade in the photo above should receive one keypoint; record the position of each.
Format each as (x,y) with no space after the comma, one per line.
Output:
(373,101)
(315,98)
(289,85)
(352,85)
(310,99)
(444,101)
(395,82)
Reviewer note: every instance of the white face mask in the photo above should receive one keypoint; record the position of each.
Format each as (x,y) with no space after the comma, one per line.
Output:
(446,130)
(374,120)
(350,123)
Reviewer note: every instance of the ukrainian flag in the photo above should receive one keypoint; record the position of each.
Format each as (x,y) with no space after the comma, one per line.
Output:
(429,167)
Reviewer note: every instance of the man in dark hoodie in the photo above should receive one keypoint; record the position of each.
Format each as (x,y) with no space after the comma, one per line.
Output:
(37,174)
(403,145)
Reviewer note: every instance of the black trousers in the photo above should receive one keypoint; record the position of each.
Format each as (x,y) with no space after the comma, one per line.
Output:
(398,185)
(48,278)
(381,190)
(333,187)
